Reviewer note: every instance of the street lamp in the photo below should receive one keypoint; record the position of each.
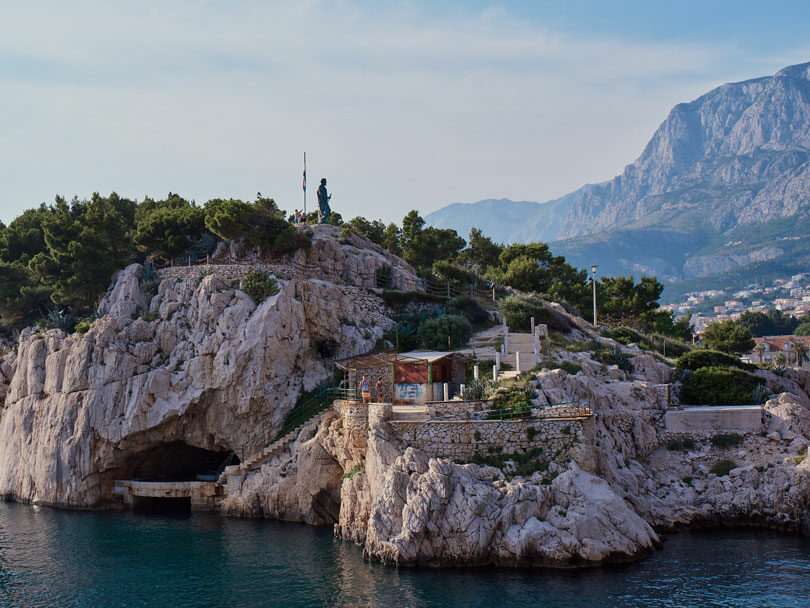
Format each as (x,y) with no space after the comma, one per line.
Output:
(593,280)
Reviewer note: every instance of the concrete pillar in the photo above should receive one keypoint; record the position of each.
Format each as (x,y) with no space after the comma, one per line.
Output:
(446,388)
(532,325)
(517,361)
(497,360)
(536,361)
(495,373)
(475,371)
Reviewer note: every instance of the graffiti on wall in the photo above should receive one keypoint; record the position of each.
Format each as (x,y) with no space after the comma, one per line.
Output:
(409,392)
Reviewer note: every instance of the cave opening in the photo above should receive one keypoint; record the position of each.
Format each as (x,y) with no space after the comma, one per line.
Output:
(175,461)
(161,505)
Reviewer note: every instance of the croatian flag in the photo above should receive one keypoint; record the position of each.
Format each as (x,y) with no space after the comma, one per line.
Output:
(305,172)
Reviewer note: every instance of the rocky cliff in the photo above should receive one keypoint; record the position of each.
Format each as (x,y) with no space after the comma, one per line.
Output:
(620,486)
(192,372)
(164,380)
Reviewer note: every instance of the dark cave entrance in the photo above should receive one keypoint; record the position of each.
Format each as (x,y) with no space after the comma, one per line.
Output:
(161,506)
(176,461)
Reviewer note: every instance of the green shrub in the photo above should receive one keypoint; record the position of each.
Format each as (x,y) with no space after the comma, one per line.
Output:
(623,335)
(434,333)
(681,444)
(291,240)
(718,386)
(722,467)
(515,404)
(447,271)
(57,318)
(82,327)
(759,394)
(527,463)
(259,285)
(612,356)
(658,342)
(569,368)
(355,470)
(149,315)
(519,309)
(400,299)
(475,390)
(468,307)
(696,359)
(726,440)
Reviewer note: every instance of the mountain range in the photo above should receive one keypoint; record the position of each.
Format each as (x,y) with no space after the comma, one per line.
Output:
(721,192)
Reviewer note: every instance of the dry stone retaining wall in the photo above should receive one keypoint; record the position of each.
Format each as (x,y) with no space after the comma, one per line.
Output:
(460,440)
(459,409)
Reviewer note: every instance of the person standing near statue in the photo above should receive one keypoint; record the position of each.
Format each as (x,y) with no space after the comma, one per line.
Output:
(323,202)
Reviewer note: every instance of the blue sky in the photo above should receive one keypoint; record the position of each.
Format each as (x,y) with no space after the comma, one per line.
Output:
(400,105)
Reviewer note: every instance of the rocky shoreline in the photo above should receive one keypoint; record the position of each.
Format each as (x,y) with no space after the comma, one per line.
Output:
(207,367)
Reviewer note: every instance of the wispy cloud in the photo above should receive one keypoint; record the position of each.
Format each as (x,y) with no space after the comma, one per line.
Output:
(398,107)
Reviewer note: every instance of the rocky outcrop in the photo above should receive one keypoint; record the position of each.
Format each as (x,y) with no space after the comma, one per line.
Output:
(432,511)
(602,502)
(199,366)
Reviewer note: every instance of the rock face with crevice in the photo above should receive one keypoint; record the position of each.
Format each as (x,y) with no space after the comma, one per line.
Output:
(197,364)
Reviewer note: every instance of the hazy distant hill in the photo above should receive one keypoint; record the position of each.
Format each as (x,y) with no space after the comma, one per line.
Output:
(504,220)
(709,194)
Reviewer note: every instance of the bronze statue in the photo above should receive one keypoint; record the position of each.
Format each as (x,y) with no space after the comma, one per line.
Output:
(323,202)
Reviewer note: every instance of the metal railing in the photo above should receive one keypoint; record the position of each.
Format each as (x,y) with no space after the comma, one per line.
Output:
(551,411)
(301,413)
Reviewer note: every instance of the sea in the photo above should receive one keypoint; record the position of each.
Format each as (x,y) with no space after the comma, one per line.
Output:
(58,558)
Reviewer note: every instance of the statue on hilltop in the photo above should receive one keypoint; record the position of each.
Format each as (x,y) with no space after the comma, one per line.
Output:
(323,202)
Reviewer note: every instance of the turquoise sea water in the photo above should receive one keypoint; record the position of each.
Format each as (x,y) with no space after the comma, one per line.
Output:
(59,558)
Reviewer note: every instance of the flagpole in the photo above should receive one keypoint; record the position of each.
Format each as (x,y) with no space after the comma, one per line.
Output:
(305,185)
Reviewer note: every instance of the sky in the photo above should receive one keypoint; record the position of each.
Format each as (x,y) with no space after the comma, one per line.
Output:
(409,105)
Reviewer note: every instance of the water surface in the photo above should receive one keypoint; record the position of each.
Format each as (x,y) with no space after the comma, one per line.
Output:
(59,558)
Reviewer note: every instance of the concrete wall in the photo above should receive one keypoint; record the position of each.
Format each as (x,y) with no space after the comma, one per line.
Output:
(460,440)
(204,494)
(714,418)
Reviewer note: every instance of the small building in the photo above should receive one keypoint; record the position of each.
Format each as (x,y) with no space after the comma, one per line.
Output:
(414,377)
(420,376)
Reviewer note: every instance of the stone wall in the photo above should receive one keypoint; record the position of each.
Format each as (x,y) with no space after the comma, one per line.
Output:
(457,409)
(460,440)
(228,272)
(379,412)
(355,415)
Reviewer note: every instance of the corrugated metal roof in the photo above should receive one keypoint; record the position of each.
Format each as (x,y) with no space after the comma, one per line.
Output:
(429,356)
(383,358)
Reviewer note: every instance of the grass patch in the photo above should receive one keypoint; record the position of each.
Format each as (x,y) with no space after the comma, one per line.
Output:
(527,463)
(681,445)
(726,440)
(722,467)
(355,470)
(569,368)
(150,315)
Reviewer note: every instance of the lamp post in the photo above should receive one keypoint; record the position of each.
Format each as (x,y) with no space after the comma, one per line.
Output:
(593,280)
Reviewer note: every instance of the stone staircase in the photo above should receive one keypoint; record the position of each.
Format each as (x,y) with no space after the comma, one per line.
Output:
(523,343)
(256,460)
